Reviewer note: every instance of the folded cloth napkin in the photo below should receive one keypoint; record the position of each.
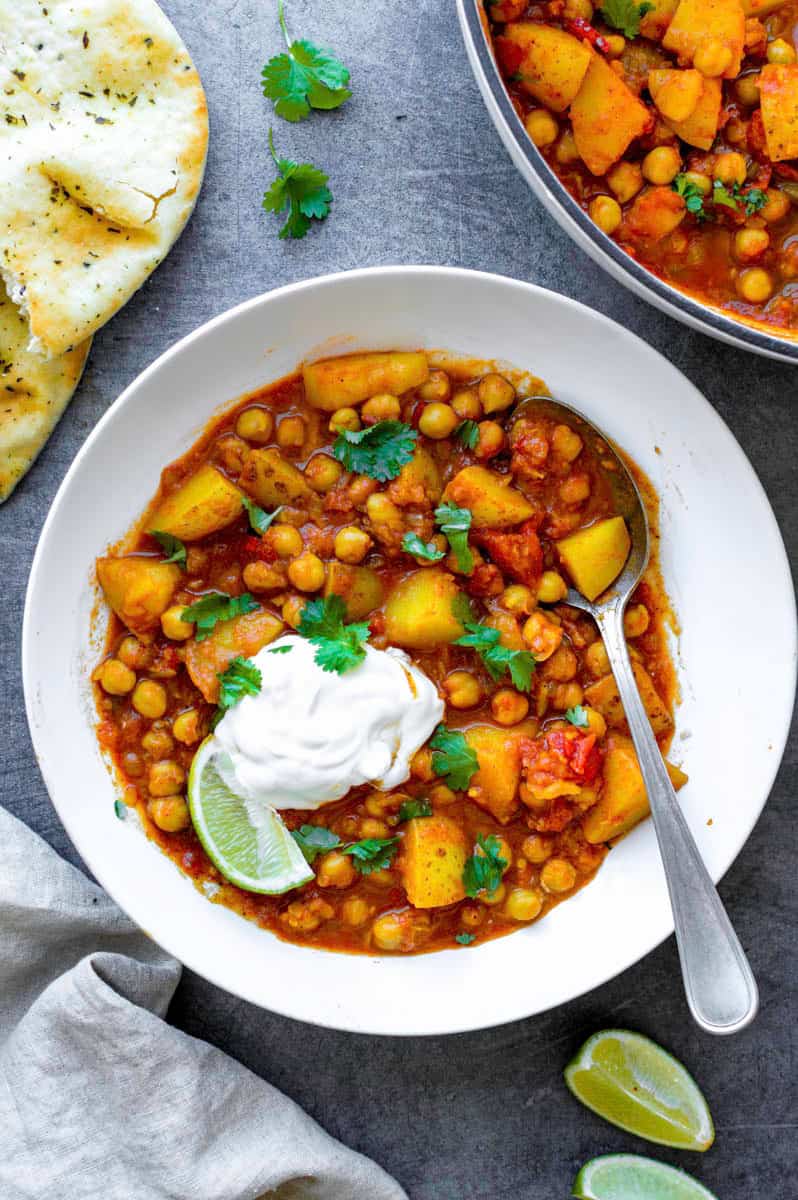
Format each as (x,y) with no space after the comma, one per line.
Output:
(100,1099)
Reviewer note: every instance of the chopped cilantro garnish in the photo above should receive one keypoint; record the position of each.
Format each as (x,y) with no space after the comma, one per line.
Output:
(379,451)
(414,808)
(733,197)
(314,840)
(279,650)
(464,939)
(624,15)
(302,189)
(339,647)
(455,523)
(259,519)
(215,607)
(453,758)
(303,78)
(120,809)
(692,195)
(240,678)
(483,871)
(412,544)
(468,433)
(172,547)
(577,716)
(372,854)
(498,659)
(461,608)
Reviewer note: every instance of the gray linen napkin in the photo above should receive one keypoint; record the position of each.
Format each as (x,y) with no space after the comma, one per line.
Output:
(99,1098)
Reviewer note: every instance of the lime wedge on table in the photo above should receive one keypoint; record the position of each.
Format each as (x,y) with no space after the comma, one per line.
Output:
(632,1177)
(251,847)
(632,1082)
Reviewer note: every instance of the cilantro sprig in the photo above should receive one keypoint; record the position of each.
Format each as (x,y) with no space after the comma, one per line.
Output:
(428,551)
(483,870)
(314,840)
(498,659)
(748,201)
(692,195)
(214,607)
(379,451)
(464,939)
(413,808)
(339,647)
(172,547)
(372,854)
(453,759)
(302,189)
(259,519)
(455,523)
(624,15)
(303,77)
(467,432)
(577,716)
(239,678)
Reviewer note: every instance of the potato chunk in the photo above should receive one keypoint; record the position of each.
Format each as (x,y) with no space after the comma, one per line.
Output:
(433,859)
(675,93)
(654,214)
(654,23)
(553,65)
(205,502)
(138,589)
(273,481)
(493,502)
(603,695)
(606,116)
(778,90)
(420,611)
(595,556)
(495,785)
(623,800)
(359,587)
(419,481)
(700,128)
(699,22)
(244,635)
(344,382)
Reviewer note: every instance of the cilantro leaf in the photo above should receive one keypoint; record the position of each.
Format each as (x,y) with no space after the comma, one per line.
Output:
(693,196)
(339,647)
(171,546)
(465,939)
(624,15)
(412,544)
(754,199)
(468,433)
(120,810)
(215,607)
(279,650)
(577,716)
(722,195)
(455,523)
(411,809)
(379,451)
(302,189)
(461,608)
(372,854)
(258,518)
(240,678)
(314,840)
(498,659)
(453,758)
(303,78)
(483,870)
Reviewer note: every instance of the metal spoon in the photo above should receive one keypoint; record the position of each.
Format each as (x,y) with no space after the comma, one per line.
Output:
(720,987)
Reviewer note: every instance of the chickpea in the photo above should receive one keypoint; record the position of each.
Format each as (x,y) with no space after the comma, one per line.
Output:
(662,164)
(542,635)
(566,442)
(437,387)
(157,742)
(518,599)
(616,44)
(255,425)
(467,405)
(132,653)
(747,89)
(495,393)
(578,8)
(165,778)
(561,666)
(541,127)
(781,52)
(575,489)
(442,794)
(384,407)
(352,544)
(438,421)
(558,875)
(355,911)
(291,612)
(750,244)
(597,660)
(636,620)
(776,207)
(566,695)
(595,722)
(462,689)
(323,472)
(712,59)
(132,764)
(699,180)
(344,418)
(381,510)
(285,540)
(537,848)
(371,827)
(729,168)
(361,488)
(232,452)
(492,898)
(606,212)
(552,588)
(335,870)
(291,433)
(115,678)
(306,572)
(421,765)
(149,699)
(388,931)
(170,813)
(186,727)
(471,915)
(380,803)
(755,285)
(264,577)
(625,180)
(305,916)
(491,439)
(523,904)
(174,626)
(508,707)
(566,151)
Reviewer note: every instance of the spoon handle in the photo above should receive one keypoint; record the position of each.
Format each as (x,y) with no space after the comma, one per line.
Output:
(719,984)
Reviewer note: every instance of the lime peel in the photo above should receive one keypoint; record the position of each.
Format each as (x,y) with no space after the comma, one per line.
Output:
(634,1177)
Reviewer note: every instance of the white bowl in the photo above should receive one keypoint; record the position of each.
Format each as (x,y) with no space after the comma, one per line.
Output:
(724,566)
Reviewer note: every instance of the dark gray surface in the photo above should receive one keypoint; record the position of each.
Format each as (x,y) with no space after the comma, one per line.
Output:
(420,176)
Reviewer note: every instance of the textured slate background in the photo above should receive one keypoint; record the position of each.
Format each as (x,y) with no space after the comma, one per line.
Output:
(420,176)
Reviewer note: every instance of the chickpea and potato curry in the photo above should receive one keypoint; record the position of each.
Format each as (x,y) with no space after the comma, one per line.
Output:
(674,125)
(397,499)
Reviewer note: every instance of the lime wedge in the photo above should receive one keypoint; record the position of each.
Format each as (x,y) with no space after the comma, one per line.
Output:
(250,846)
(632,1177)
(632,1082)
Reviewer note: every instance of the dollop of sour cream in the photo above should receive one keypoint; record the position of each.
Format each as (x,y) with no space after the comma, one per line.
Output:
(309,735)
